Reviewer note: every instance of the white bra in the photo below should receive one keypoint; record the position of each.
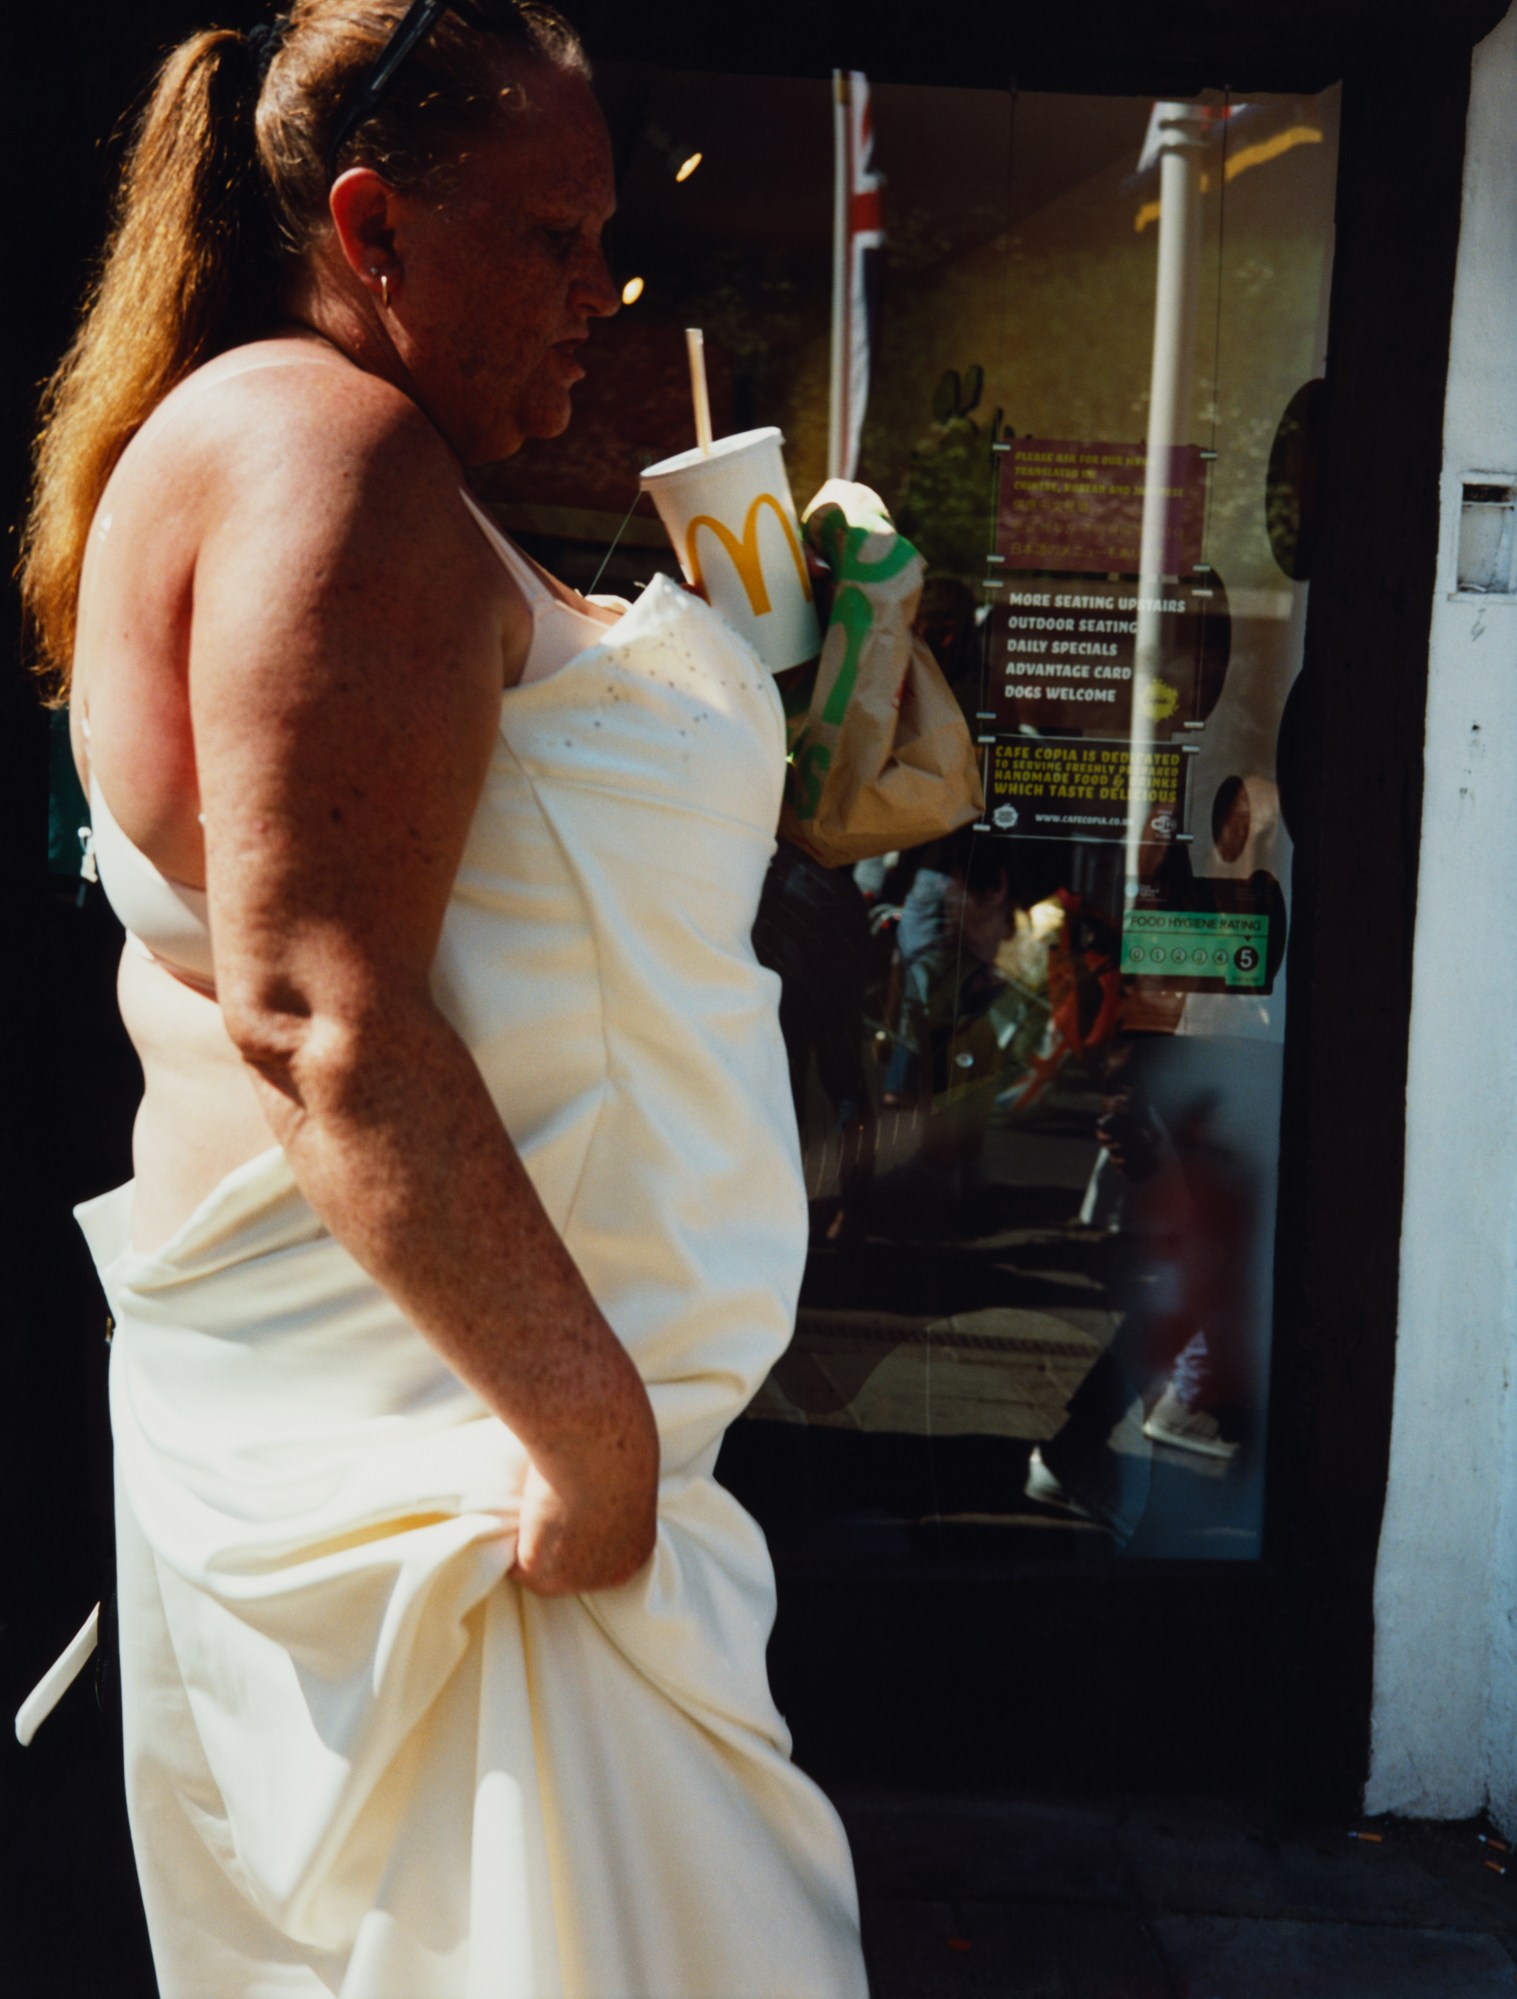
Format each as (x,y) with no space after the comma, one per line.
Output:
(166,920)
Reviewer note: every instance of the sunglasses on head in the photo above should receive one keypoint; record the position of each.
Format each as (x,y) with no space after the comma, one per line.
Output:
(411,30)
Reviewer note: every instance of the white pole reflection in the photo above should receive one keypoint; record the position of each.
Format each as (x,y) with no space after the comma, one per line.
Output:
(1178,138)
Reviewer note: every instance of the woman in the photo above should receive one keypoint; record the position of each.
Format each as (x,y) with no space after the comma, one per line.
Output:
(442,1650)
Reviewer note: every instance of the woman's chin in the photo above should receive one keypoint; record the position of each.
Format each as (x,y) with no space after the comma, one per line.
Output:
(549,416)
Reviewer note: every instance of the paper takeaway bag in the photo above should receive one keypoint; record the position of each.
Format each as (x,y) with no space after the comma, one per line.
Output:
(880,754)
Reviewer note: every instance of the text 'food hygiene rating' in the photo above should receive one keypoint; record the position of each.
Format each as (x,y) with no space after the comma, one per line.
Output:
(1217,949)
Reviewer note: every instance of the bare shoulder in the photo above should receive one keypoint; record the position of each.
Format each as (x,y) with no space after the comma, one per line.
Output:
(328,510)
(276,457)
(344,663)
(285,592)
(330,521)
(307,439)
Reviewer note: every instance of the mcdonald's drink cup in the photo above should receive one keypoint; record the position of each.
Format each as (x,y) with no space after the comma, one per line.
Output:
(733,525)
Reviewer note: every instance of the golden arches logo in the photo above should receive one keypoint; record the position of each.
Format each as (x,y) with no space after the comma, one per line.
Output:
(744,554)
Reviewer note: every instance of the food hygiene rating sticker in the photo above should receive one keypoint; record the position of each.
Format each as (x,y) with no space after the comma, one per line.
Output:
(1195,944)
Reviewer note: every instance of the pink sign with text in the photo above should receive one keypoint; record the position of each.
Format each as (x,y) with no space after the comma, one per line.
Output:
(1076,507)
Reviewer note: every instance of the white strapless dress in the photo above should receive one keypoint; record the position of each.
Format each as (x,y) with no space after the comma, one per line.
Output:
(360,1761)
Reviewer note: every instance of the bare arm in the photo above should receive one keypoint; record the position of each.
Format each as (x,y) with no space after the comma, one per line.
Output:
(345,681)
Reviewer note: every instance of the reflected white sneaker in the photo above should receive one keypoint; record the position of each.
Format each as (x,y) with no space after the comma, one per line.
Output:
(1183,1428)
(1047,1490)
(1106,1486)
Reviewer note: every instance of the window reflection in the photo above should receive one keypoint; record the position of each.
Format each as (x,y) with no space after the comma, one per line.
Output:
(1036,1066)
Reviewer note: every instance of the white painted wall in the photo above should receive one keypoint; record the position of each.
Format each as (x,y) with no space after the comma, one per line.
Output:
(1445,1708)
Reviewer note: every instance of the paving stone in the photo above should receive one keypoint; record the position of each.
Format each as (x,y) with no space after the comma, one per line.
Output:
(1067,1953)
(910,1948)
(1172,1899)
(1224,1957)
(1214,1858)
(974,1850)
(1452,1855)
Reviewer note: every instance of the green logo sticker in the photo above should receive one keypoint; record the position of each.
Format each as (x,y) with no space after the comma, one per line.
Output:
(1196,944)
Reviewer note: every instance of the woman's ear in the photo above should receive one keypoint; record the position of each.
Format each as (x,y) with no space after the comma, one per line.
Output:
(363,209)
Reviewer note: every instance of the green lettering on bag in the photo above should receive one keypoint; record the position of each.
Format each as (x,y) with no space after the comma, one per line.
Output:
(840,547)
(825,532)
(807,776)
(891,563)
(852,611)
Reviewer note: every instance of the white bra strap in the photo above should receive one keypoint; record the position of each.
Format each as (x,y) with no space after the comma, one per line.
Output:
(539,597)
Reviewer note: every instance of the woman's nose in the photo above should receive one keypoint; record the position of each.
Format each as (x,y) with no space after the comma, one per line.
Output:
(595,291)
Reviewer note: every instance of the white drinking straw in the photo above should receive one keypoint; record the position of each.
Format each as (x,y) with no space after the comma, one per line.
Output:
(695,347)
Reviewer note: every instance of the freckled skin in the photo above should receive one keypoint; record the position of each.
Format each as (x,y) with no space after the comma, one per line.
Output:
(297,630)
(488,316)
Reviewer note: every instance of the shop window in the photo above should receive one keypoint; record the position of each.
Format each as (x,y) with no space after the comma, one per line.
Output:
(1037,1065)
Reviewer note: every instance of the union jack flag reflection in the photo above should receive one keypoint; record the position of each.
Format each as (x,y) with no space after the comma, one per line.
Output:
(858,237)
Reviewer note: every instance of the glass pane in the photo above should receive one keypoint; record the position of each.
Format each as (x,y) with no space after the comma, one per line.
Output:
(1036,1064)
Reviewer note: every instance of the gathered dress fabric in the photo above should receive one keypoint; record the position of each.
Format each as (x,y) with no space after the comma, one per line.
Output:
(360,1760)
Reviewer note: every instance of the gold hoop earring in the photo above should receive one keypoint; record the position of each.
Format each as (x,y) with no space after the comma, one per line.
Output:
(384,289)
